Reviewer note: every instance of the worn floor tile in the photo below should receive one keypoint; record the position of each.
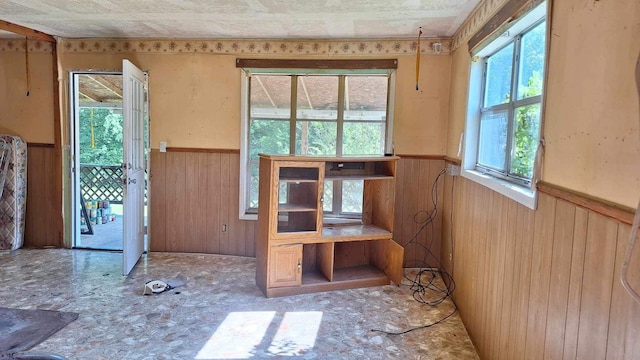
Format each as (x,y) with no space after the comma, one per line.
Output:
(216,311)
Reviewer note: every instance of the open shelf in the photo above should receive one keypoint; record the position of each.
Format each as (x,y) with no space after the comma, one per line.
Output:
(298,251)
(299,173)
(354,274)
(285,208)
(358,273)
(296,180)
(358,177)
(339,233)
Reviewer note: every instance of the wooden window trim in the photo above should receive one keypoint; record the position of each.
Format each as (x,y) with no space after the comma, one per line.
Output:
(317,64)
(510,12)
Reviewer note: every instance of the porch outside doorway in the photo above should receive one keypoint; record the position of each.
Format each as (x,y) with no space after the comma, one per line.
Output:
(99,190)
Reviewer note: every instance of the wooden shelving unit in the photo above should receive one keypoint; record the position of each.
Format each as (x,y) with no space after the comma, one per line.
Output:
(296,253)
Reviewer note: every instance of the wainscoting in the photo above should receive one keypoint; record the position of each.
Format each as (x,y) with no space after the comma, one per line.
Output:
(539,284)
(42,228)
(415,205)
(194,203)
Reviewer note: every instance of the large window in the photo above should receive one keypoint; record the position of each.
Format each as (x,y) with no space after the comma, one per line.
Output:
(315,114)
(510,115)
(505,97)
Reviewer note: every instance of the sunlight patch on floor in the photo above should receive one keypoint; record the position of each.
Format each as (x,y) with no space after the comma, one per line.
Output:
(297,333)
(237,336)
(241,333)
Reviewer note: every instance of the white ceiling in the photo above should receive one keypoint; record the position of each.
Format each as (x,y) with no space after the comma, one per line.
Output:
(239,19)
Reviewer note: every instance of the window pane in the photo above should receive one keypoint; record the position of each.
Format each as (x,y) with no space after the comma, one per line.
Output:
(363,138)
(352,194)
(365,98)
(316,137)
(283,193)
(493,140)
(317,97)
(254,185)
(327,205)
(525,143)
(498,78)
(270,97)
(531,62)
(268,137)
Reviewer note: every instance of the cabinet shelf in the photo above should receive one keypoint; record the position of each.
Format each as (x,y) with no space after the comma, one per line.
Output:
(341,233)
(358,177)
(296,253)
(296,180)
(286,208)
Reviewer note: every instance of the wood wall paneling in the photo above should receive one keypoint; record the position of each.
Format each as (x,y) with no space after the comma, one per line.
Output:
(624,327)
(510,280)
(213,202)
(521,290)
(575,284)
(41,218)
(157,202)
(597,286)
(241,232)
(447,245)
(225,198)
(560,275)
(540,284)
(194,204)
(176,200)
(541,273)
(498,269)
(413,206)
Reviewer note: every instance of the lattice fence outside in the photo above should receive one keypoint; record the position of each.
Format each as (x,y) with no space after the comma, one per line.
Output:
(102,182)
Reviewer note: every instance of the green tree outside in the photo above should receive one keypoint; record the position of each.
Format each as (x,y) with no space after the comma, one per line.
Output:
(106,148)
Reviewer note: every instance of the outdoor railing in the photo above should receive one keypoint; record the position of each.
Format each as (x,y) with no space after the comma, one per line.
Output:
(101,182)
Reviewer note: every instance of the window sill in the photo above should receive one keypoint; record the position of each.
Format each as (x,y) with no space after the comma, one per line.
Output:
(249,216)
(518,193)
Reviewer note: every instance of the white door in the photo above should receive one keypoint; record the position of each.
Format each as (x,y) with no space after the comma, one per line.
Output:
(134,85)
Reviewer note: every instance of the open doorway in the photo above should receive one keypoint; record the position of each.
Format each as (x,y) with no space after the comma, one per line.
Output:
(98,181)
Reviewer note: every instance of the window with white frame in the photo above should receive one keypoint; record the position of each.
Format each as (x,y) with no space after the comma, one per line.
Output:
(321,113)
(505,98)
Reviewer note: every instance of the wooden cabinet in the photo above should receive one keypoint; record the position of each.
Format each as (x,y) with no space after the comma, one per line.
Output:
(297,251)
(286,269)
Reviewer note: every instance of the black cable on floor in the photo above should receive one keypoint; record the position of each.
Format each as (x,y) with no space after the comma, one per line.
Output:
(424,289)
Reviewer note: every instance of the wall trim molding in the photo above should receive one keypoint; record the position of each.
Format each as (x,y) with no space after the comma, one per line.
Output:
(610,209)
(40,145)
(265,47)
(453,160)
(201,150)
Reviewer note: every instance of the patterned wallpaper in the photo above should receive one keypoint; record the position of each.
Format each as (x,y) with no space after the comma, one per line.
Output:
(16,44)
(238,47)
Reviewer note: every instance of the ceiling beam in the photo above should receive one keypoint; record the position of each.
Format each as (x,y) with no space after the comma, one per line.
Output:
(90,97)
(105,84)
(25,31)
(111,81)
(266,92)
(100,105)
